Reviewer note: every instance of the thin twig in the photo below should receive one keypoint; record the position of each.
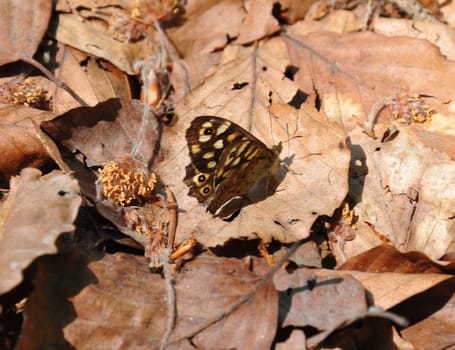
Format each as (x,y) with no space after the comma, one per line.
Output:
(52,78)
(171,304)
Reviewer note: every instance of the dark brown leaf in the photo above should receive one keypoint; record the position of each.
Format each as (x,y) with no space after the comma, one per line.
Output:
(107,131)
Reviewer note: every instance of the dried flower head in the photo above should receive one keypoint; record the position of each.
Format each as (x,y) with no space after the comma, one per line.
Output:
(409,109)
(126,182)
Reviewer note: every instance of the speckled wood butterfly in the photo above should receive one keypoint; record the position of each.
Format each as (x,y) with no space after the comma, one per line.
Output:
(226,161)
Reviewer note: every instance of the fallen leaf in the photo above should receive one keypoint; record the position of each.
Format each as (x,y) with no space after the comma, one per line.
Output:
(107,131)
(22,28)
(241,90)
(30,225)
(20,146)
(90,37)
(94,293)
(431,316)
(439,34)
(92,79)
(386,258)
(259,21)
(390,289)
(206,26)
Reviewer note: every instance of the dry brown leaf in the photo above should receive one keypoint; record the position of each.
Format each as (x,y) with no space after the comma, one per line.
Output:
(92,38)
(294,10)
(316,299)
(241,90)
(30,225)
(339,21)
(390,289)
(327,301)
(350,72)
(259,21)
(437,33)
(22,27)
(207,26)
(116,301)
(91,79)
(431,316)
(386,258)
(408,193)
(408,196)
(294,342)
(19,145)
(106,132)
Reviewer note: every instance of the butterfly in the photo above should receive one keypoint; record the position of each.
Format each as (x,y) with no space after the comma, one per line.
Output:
(227,162)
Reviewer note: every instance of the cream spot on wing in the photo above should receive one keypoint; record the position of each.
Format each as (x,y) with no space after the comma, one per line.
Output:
(195,149)
(218,144)
(204,138)
(208,155)
(253,154)
(228,160)
(242,147)
(223,127)
(236,161)
(211,164)
(207,124)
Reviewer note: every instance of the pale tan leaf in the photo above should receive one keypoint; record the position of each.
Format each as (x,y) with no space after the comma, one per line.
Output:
(403,186)
(207,26)
(408,196)
(30,225)
(92,79)
(389,288)
(93,39)
(437,33)
(241,90)
(259,21)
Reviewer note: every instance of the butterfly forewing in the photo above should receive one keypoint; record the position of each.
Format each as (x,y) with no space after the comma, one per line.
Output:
(226,160)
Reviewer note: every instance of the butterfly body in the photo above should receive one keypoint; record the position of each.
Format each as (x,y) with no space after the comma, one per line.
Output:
(226,161)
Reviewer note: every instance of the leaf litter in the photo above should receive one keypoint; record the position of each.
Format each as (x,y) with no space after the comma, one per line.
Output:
(354,175)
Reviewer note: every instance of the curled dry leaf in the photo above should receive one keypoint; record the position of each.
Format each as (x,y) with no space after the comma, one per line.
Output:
(104,289)
(91,37)
(249,90)
(19,145)
(386,258)
(30,225)
(22,27)
(92,79)
(431,317)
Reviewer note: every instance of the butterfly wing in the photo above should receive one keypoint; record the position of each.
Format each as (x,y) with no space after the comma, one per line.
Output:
(241,165)
(226,160)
